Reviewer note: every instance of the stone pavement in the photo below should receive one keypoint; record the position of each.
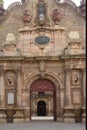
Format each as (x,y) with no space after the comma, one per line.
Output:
(43,125)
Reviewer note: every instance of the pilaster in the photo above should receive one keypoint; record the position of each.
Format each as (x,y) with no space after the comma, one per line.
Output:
(2,88)
(19,87)
(68,115)
(84,95)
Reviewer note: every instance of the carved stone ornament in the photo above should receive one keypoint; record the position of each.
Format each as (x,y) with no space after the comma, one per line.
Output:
(27,17)
(56,16)
(41,40)
(42,66)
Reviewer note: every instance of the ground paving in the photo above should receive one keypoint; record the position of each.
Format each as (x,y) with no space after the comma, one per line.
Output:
(43,125)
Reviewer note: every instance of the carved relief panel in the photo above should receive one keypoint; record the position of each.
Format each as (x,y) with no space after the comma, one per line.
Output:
(10,98)
(76,97)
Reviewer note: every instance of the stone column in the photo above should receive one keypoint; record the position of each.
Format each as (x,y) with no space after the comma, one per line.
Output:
(2,89)
(19,87)
(49,106)
(2,95)
(56,37)
(68,115)
(27,110)
(18,116)
(58,106)
(84,95)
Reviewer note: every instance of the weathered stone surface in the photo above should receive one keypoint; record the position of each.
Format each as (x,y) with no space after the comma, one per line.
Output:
(25,60)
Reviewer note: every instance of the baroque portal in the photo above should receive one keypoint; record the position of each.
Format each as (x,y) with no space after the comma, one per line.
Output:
(42,61)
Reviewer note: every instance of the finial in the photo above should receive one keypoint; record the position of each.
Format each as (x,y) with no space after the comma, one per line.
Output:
(83,7)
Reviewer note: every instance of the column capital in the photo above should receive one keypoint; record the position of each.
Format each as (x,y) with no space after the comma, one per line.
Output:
(67,70)
(83,70)
(18,70)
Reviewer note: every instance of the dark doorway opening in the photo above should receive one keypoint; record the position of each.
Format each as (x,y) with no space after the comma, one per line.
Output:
(41,108)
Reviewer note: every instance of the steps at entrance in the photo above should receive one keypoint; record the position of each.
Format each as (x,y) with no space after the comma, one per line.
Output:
(42,118)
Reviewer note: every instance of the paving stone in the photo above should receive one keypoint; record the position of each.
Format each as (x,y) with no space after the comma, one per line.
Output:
(43,125)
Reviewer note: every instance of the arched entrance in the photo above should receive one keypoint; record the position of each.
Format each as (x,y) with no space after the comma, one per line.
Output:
(43,99)
(41,108)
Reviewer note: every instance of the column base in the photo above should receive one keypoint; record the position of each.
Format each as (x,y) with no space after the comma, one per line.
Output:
(84,115)
(84,120)
(3,121)
(26,113)
(2,116)
(69,120)
(18,116)
(60,119)
(69,117)
(26,120)
(18,120)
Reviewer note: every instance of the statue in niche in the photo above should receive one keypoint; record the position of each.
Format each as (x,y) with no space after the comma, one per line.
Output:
(10,79)
(56,16)
(27,17)
(41,12)
(10,82)
(75,79)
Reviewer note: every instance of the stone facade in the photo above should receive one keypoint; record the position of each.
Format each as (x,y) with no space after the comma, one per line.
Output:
(42,62)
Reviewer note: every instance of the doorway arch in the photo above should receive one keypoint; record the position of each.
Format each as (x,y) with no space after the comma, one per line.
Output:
(43,98)
(41,108)
(57,85)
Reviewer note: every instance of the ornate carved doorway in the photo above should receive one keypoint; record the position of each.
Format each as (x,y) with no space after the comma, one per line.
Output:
(43,98)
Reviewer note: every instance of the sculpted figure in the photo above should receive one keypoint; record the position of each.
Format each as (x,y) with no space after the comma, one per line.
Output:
(41,12)
(10,81)
(56,16)
(26,17)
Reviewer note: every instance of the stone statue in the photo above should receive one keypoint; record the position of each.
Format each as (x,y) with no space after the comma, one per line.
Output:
(10,81)
(76,80)
(56,16)
(10,78)
(41,12)
(27,17)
